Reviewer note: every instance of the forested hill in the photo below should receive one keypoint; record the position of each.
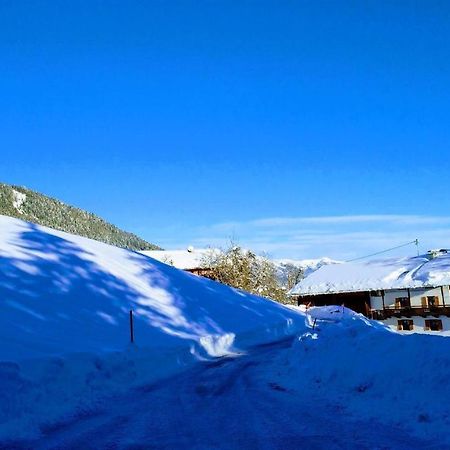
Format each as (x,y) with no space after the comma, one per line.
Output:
(34,207)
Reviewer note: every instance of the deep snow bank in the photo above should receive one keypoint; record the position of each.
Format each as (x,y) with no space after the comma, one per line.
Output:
(64,323)
(62,293)
(361,367)
(348,383)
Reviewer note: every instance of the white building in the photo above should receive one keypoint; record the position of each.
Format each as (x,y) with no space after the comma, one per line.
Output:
(408,294)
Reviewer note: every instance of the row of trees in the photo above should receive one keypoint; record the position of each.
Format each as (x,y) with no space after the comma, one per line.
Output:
(47,211)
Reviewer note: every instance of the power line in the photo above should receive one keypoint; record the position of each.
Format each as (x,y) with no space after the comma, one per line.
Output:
(416,242)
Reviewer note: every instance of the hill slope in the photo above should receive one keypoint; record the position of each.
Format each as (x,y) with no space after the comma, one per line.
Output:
(66,293)
(34,207)
(64,315)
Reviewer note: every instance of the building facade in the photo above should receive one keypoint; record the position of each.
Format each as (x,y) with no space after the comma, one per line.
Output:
(410,295)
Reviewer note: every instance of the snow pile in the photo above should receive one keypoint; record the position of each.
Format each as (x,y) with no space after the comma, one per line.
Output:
(64,322)
(390,273)
(63,293)
(345,383)
(360,368)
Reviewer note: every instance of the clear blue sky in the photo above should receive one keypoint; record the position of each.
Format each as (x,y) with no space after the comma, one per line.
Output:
(189,122)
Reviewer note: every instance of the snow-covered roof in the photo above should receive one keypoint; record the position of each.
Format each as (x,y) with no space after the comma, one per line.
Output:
(188,259)
(432,269)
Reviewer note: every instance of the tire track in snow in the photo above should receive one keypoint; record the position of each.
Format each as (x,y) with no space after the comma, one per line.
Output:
(231,403)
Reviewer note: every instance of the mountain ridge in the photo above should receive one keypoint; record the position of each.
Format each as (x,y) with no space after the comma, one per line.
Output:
(31,206)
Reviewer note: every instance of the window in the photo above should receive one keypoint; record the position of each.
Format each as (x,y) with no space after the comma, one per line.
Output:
(405,325)
(430,301)
(433,325)
(402,302)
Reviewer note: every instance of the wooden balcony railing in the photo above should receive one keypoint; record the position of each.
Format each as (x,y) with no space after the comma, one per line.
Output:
(411,311)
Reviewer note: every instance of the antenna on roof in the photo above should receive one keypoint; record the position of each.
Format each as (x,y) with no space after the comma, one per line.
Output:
(416,242)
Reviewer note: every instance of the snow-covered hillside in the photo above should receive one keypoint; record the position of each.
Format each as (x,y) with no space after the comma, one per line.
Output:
(63,293)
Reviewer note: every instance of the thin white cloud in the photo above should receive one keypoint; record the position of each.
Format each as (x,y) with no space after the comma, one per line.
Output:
(339,237)
(293,221)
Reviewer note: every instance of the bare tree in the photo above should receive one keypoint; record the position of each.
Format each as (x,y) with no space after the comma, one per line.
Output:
(245,270)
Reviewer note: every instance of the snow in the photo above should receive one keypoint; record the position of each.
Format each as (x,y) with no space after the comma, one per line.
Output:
(390,273)
(189,259)
(312,264)
(307,265)
(212,367)
(65,295)
(194,258)
(346,384)
(19,200)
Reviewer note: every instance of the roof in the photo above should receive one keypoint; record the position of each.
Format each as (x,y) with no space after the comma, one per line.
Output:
(188,259)
(432,269)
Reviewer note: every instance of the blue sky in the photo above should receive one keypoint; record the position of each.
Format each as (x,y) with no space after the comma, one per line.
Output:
(298,128)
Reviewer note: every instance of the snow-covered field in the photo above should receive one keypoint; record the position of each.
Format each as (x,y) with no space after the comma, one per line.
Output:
(211,367)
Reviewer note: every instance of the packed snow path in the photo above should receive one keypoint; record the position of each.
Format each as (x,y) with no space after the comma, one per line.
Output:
(231,403)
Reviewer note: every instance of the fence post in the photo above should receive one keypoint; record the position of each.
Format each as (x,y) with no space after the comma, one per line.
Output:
(131,327)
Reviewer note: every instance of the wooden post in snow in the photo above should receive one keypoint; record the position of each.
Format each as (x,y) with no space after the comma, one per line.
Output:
(131,327)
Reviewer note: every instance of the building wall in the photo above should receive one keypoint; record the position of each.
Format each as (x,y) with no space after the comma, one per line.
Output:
(376,302)
(358,301)
(419,324)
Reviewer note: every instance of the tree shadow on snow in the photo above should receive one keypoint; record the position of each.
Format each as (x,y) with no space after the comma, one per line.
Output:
(56,297)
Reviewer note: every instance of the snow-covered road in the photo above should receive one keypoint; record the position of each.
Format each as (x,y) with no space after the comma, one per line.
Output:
(231,403)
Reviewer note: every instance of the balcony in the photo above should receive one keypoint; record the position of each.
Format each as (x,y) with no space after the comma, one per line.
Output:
(411,311)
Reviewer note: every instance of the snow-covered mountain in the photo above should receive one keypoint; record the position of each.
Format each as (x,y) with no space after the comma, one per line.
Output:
(307,265)
(291,271)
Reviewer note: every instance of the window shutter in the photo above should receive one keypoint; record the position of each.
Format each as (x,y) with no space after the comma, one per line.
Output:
(427,325)
(436,300)
(399,326)
(424,302)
